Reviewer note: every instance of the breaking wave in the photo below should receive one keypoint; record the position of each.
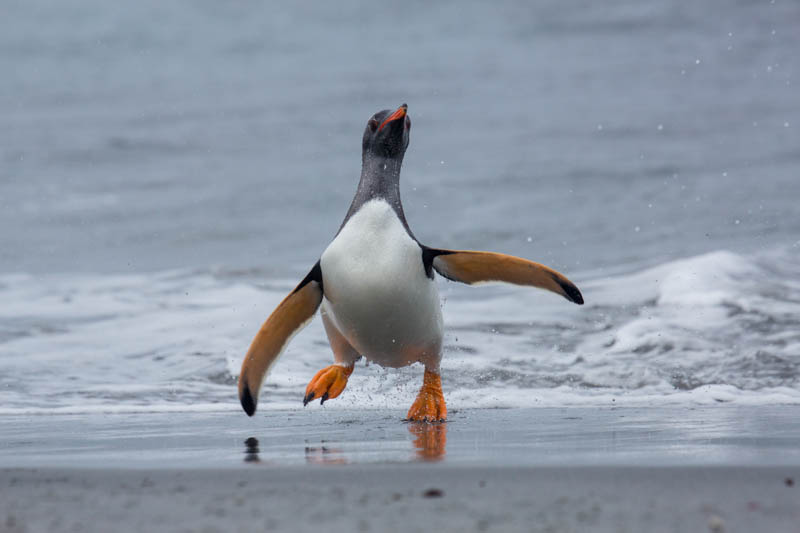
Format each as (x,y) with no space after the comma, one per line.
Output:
(718,327)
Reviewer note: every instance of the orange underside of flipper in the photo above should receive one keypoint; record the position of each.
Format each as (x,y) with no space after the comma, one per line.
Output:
(288,318)
(469,266)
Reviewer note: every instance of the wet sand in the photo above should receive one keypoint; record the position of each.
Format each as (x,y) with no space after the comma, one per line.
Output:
(717,469)
(402,498)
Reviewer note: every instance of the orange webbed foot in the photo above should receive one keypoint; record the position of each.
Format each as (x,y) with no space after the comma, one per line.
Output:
(327,383)
(429,405)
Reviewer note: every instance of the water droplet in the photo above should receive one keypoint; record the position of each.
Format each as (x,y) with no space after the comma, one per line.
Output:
(530,239)
(660,127)
(637,229)
(697,61)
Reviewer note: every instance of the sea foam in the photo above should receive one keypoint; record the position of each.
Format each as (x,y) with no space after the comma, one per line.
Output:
(719,327)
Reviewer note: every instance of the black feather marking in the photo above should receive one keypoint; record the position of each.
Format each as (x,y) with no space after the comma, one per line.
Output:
(314,275)
(248,402)
(428,255)
(570,291)
(308,398)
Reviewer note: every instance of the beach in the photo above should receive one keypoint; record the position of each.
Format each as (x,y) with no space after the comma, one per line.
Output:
(718,469)
(394,498)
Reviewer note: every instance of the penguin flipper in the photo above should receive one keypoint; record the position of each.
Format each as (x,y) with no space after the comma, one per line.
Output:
(291,316)
(471,267)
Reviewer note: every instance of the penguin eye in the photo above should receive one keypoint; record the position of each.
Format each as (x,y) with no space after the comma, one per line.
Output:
(373,124)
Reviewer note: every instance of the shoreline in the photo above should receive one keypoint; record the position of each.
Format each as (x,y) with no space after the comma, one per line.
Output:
(719,469)
(531,437)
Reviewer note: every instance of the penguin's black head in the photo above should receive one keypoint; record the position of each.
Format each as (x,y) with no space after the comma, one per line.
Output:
(387,133)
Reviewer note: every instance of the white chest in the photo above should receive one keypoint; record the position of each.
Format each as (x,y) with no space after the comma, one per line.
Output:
(376,290)
(372,244)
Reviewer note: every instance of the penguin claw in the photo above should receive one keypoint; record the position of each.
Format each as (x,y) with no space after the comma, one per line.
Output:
(428,410)
(308,398)
(328,383)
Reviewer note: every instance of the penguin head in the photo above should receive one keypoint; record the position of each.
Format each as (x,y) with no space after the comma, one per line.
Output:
(387,133)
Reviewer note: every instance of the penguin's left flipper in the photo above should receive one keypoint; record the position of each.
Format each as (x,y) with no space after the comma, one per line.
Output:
(471,267)
(291,315)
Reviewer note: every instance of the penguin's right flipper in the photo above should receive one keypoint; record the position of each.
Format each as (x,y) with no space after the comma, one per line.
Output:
(291,315)
(470,267)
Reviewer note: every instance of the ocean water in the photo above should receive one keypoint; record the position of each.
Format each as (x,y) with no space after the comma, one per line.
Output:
(168,171)
(719,327)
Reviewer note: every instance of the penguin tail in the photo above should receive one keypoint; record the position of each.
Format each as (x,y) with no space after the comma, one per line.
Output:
(473,267)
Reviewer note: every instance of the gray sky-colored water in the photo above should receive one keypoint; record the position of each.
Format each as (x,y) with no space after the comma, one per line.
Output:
(157,135)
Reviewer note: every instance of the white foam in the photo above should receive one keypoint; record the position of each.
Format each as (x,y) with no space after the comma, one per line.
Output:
(719,327)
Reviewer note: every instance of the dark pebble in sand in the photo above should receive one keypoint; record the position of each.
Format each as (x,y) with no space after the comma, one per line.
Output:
(789,482)
(433,493)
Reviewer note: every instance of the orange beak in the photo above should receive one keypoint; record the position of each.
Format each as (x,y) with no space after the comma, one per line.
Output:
(400,113)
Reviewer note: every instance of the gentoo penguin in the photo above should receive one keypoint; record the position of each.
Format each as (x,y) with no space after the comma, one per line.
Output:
(376,289)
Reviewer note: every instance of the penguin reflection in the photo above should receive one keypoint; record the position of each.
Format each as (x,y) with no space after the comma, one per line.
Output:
(322,455)
(251,451)
(429,440)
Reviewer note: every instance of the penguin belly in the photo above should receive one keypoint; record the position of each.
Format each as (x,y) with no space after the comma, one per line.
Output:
(376,290)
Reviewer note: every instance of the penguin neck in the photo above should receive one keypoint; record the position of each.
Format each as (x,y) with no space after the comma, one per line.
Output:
(380,180)
(380,176)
